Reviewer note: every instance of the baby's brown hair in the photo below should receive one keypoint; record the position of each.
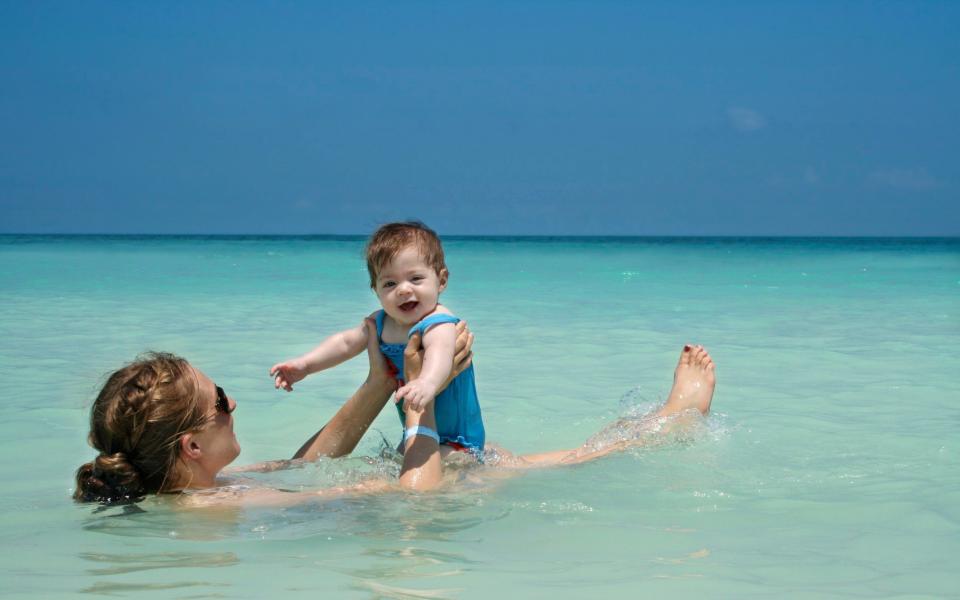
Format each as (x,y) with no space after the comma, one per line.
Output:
(391,238)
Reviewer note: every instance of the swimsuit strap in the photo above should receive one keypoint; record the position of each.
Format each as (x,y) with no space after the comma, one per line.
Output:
(380,315)
(430,321)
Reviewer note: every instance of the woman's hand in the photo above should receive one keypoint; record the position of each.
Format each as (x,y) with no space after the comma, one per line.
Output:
(462,355)
(379,368)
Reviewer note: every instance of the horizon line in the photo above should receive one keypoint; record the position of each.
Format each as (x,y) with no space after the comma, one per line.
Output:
(489,235)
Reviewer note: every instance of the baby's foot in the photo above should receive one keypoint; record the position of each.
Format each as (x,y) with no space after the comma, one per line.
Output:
(693,382)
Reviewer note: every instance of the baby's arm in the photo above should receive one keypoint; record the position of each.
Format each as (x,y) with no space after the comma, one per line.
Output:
(439,345)
(330,353)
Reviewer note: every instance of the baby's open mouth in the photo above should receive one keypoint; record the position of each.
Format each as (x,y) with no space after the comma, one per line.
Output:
(408,306)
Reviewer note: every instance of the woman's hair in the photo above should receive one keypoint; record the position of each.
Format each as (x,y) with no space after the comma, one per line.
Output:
(136,423)
(387,241)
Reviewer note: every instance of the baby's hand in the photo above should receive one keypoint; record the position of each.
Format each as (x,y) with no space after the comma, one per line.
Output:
(287,373)
(417,394)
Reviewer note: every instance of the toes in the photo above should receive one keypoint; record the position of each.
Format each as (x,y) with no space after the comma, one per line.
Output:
(697,358)
(686,354)
(706,361)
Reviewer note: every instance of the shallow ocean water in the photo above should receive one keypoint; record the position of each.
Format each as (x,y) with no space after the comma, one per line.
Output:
(829,466)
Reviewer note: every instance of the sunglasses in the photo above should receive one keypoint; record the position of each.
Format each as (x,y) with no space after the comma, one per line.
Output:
(223,404)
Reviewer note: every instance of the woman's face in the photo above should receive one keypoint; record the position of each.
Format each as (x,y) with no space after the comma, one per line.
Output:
(217,441)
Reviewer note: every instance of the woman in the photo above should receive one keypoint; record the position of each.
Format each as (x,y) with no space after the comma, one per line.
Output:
(162,426)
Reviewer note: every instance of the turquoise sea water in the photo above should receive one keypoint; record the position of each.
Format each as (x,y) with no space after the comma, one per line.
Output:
(828,468)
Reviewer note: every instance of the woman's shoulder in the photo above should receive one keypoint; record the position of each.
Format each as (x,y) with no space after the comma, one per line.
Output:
(215,496)
(240,495)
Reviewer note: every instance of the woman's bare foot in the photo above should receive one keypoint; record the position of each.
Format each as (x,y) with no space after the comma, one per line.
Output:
(693,383)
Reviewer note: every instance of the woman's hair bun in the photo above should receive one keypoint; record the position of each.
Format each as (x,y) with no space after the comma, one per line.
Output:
(109,478)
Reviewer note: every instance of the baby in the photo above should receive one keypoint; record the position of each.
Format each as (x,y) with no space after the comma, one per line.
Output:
(408,273)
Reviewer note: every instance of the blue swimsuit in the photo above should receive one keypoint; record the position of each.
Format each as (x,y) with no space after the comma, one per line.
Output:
(457,408)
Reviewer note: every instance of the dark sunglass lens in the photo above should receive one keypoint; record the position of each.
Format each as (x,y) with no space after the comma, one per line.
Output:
(223,405)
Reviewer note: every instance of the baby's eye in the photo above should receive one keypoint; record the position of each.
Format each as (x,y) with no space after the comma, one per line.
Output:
(388,284)
(418,278)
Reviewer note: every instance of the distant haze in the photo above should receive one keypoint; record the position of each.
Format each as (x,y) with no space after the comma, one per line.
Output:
(546,118)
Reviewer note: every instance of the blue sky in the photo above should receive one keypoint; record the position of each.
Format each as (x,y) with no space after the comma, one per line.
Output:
(576,118)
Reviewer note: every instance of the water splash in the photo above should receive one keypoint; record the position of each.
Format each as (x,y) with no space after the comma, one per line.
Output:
(638,426)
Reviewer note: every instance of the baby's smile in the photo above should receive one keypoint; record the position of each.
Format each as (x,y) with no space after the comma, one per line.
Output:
(409,306)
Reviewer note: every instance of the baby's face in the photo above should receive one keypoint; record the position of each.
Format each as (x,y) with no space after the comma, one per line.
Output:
(408,288)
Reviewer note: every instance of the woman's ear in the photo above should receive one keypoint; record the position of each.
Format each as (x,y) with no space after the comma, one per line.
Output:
(189,448)
(444,274)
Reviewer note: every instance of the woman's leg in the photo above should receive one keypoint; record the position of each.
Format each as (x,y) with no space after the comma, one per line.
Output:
(693,383)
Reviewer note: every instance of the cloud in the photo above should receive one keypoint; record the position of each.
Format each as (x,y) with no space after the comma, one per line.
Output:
(810,176)
(745,119)
(904,179)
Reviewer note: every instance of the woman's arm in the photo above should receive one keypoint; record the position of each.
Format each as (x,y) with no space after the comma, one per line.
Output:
(343,432)
(422,469)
